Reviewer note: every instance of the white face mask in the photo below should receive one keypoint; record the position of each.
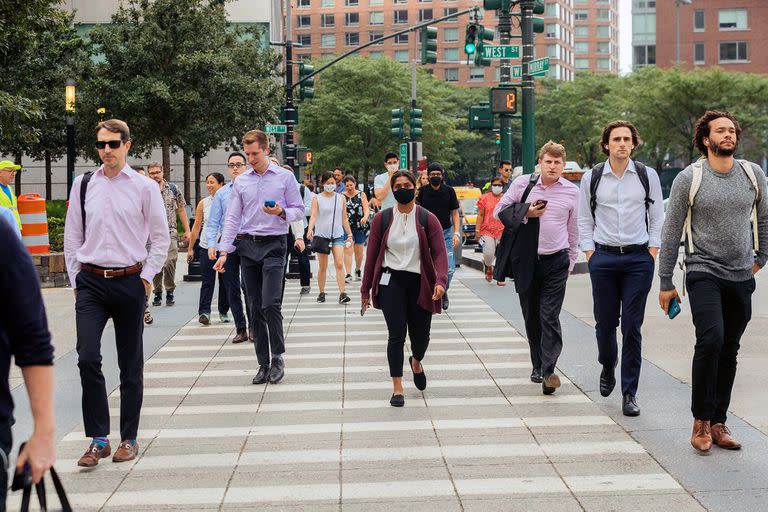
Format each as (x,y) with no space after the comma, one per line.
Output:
(329,187)
(392,167)
(496,189)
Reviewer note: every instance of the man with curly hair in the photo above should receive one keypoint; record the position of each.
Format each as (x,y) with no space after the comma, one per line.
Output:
(720,202)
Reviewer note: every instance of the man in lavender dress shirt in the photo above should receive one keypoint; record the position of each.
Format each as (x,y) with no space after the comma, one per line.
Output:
(263,202)
(111,271)
(554,201)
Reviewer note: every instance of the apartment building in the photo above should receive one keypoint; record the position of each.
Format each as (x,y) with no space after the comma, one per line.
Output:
(596,35)
(724,33)
(325,28)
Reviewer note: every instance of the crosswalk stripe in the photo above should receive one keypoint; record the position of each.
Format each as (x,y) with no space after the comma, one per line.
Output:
(175,346)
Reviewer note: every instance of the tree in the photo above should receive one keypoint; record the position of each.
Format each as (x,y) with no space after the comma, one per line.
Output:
(348,121)
(172,68)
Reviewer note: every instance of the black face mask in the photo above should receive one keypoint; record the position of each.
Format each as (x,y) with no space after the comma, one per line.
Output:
(435,180)
(404,195)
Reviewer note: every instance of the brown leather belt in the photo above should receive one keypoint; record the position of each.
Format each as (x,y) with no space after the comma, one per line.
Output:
(109,273)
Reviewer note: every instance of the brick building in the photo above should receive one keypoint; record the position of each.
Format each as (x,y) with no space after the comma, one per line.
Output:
(724,33)
(596,35)
(331,27)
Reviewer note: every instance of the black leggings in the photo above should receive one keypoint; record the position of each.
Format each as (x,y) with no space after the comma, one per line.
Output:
(402,313)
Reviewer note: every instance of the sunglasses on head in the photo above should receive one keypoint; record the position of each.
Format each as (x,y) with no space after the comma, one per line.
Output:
(113,144)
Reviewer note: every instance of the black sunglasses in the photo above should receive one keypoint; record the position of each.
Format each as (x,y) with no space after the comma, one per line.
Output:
(113,144)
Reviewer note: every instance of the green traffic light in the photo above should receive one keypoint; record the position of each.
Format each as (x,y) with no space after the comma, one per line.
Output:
(469,48)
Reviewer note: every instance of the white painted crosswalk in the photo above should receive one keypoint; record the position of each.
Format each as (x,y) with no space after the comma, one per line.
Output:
(203,420)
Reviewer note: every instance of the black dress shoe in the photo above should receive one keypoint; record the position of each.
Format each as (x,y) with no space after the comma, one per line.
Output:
(607,381)
(240,337)
(397,401)
(419,379)
(276,373)
(630,406)
(261,376)
(536,376)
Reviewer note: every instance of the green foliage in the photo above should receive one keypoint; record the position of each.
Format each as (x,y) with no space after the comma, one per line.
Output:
(662,103)
(56,234)
(56,208)
(348,121)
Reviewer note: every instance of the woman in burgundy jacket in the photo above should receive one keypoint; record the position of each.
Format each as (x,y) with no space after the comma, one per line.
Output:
(406,269)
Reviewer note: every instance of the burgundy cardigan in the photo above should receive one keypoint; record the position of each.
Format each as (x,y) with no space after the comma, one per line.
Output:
(432,255)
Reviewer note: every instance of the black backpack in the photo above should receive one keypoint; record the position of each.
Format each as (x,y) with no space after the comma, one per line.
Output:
(387,215)
(597,175)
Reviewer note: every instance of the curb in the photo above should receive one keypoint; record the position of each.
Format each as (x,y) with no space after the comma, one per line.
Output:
(580,268)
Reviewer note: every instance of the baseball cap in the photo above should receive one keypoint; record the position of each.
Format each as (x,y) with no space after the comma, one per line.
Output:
(7,164)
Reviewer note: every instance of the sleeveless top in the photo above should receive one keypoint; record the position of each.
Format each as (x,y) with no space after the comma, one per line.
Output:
(355,213)
(206,211)
(325,217)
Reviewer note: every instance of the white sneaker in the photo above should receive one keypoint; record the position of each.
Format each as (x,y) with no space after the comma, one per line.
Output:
(223,318)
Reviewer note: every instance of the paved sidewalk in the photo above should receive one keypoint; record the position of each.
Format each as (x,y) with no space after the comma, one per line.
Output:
(481,437)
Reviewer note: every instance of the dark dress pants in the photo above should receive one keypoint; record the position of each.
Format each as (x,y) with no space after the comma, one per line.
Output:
(721,310)
(404,316)
(541,304)
(232,284)
(263,266)
(208,284)
(620,286)
(6,444)
(121,299)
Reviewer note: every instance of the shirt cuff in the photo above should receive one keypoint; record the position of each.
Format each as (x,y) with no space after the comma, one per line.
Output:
(761,259)
(147,275)
(666,284)
(587,246)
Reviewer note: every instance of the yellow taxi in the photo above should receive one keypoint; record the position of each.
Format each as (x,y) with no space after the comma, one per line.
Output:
(468,197)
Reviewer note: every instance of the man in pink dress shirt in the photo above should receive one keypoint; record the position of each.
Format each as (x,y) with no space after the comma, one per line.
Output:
(554,201)
(111,269)
(262,204)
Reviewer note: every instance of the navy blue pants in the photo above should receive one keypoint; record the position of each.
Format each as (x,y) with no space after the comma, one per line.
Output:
(209,283)
(620,286)
(232,284)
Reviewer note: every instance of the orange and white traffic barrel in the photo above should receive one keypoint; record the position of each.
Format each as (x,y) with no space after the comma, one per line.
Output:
(34,223)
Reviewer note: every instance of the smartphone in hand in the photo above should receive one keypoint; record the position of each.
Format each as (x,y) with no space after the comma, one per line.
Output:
(674,309)
(540,203)
(270,203)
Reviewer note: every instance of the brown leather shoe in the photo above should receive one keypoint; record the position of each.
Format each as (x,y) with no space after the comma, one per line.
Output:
(550,384)
(701,438)
(721,436)
(126,451)
(489,274)
(242,335)
(91,457)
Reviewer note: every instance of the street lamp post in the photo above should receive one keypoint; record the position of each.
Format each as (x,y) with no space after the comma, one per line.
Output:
(70,109)
(678,3)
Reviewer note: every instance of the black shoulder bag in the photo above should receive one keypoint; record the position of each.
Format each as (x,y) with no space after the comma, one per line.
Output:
(23,481)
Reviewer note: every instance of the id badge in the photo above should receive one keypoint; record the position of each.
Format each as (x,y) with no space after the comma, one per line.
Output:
(385,277)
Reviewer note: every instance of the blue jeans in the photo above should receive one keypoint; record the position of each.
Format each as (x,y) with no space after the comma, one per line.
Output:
(448,235)
(208,284)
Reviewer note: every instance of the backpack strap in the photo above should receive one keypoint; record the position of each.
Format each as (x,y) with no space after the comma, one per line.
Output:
(750,172)
(594,182)
(387,215)
(642,173)
(424,219)
(529,187)
(697,174)
(84,190)
(386,219)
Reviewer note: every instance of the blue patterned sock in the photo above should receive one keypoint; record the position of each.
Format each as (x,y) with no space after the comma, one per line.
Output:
(101,441)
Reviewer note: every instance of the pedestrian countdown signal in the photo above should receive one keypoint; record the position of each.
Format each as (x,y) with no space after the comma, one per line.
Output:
(304,156)
(504,100)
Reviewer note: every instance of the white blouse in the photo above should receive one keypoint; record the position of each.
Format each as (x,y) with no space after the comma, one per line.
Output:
(402,251)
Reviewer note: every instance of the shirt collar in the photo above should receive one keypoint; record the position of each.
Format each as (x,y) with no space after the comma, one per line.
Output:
(127,170)
(630,167)
(270,168)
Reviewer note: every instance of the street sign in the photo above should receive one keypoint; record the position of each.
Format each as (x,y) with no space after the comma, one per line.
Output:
(404,155)
(507,51)
(517,71)
(539,67)
(275,128)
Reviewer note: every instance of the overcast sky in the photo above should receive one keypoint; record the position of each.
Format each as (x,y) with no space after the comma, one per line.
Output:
(625,36)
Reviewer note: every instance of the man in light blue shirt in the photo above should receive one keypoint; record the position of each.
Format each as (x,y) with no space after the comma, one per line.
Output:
(621,213)
(381,186)
(236,164)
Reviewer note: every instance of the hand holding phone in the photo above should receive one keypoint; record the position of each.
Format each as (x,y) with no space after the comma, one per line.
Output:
(540,203)
(674,308)
(269,203)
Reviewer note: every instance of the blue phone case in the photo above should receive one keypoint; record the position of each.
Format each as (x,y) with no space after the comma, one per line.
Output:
(674,309)
(269,204)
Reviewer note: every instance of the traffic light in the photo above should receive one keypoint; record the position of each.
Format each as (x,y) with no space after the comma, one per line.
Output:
(498,138)
(503,100)
(415,123)
(483,34)
(304,156)
(307,87)
(538,7)
(397,123)
(492,5)
(429,45)
(538,23)
(470,39)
